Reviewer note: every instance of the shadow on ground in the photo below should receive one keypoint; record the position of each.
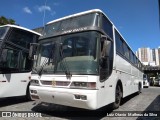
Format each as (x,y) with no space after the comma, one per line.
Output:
(153,110)
(126,99)
(52,110)
(11,101)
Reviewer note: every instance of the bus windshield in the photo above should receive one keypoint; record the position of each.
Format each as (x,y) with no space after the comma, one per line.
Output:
(21,38)
(14,56)
(3,31)
(75,52)
(71,24)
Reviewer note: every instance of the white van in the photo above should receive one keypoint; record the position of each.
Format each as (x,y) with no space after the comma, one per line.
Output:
(145,81)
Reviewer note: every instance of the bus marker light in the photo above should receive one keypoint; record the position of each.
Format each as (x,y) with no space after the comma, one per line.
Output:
(3,81)
(29,77)
(23,80)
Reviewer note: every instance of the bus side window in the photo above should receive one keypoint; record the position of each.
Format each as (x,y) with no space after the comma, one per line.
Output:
(107,27)
(119,43)
(126,51)
(10,58)
(25,63)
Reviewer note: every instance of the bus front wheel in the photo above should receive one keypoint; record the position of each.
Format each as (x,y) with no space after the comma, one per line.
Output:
(28,97)
(118,97)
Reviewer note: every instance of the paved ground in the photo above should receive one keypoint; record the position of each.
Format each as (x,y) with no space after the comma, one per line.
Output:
(148,100)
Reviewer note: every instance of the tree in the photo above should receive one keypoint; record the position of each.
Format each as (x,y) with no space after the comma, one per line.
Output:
(11,21)
(4,21)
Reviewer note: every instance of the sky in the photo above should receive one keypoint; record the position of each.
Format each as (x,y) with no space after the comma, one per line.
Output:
(137,20)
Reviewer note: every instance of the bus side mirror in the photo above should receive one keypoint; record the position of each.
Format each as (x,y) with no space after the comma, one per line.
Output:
(105,37)
(106,57)
(106,46)
(4,55)
(32,50)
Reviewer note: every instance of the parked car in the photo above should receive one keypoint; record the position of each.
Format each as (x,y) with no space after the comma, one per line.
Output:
(145,81)
(151,82)
(157,82)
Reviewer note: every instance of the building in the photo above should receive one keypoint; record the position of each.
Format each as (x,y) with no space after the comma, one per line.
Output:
(149,56)
(159,53)
(144,55)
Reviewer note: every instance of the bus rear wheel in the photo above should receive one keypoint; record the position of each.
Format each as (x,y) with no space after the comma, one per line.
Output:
(118,97)
(139,88)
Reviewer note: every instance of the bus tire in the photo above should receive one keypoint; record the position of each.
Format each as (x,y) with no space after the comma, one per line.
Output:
(139,88)
(28,97)
(118,97)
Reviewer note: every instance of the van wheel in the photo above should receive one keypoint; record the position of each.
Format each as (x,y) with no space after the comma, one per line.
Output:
(118,97)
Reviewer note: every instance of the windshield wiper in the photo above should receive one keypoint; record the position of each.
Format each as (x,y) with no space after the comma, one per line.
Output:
(46,61)
(43,65)
(64,62)
(34,70)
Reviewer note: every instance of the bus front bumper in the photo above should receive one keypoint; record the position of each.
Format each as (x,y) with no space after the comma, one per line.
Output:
(79,98)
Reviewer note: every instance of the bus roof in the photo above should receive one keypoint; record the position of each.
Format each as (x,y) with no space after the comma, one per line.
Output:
(78,14)
(22,28)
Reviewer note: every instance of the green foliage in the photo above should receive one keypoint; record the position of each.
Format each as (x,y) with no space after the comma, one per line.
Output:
(4,21)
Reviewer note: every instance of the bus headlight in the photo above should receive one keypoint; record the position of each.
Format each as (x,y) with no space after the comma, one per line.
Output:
(34,82)
(85,85)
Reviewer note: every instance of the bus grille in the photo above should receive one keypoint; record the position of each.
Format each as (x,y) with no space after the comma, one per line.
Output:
(46,82)
(55,83)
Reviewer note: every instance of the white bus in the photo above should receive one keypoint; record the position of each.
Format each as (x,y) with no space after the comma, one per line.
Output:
(15,66)
(83,61)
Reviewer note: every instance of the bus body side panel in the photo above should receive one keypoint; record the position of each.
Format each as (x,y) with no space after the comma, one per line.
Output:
(14,84)
(106,94)
(128,74)
(135,78)
(123,69)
